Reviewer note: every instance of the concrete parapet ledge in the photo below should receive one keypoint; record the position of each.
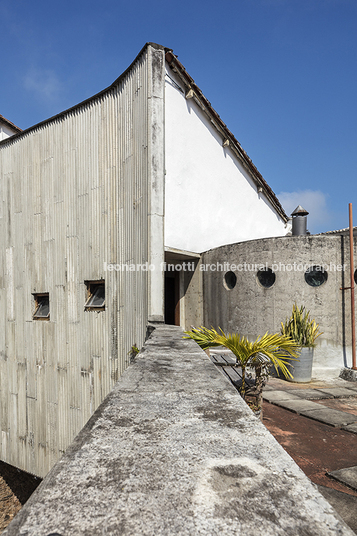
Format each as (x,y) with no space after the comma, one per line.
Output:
(174,450)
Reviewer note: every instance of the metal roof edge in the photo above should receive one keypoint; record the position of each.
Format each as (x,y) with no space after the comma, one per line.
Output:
(344,231)
(179,69)
(190,83)
(86,101)
(9,123)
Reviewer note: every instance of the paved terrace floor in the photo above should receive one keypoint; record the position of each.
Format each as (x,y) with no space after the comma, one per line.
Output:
(332,402)
(174,450)
(320,436)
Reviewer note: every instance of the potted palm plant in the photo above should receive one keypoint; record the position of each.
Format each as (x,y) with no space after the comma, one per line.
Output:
(304,331)
(270,350)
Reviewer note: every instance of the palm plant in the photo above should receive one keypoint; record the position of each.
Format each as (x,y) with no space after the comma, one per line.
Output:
(268,350)
(301,328)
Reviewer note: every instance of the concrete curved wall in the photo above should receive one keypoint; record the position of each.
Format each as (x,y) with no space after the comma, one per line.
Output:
(251,309)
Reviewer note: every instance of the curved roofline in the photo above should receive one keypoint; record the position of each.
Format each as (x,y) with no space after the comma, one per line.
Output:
(202,101)
(86,101)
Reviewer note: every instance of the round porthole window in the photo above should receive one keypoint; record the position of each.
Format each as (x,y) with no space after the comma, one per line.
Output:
(355,276)
(315,276)
(230,280)
(266,278)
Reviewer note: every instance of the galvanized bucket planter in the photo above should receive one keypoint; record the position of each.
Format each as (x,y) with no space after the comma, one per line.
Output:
(301,369)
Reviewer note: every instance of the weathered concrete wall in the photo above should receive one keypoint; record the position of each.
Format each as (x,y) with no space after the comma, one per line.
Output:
(252,309)
(175,450)
(78,191)
(193,297)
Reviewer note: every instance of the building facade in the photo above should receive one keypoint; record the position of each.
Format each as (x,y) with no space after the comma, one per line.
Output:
(92,203)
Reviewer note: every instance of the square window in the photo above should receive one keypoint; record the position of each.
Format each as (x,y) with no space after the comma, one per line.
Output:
(42,307)
(95,296)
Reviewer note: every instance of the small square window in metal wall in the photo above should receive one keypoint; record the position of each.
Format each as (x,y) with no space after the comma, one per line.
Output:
(95,296)
(42,307)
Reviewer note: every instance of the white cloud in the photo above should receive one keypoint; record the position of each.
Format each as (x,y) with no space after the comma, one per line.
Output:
(44,83)
(315,202)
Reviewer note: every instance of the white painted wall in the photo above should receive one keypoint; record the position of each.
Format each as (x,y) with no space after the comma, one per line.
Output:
(210,200)
(6,131)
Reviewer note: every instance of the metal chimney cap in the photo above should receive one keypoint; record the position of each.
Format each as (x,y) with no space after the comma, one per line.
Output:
(299,211)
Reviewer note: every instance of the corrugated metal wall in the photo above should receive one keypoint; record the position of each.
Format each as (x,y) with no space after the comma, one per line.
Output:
(73,196)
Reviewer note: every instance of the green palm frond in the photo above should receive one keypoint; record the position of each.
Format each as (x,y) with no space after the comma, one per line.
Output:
(274,349)
(205,337)
(270,348)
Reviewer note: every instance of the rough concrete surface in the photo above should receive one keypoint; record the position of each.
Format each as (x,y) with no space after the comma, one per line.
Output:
(310,394)
(277,396)
(346,505)
(351,428)
(330,416)
(347,405)
(318,449)
(347,476)
(174,450)
(339,392)
(348,374)
(333,403)
(298,406)
(240,309)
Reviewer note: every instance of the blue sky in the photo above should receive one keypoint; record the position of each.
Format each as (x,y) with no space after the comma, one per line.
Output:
(282,74)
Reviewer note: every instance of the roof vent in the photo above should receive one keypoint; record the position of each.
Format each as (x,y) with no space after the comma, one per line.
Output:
(299,217)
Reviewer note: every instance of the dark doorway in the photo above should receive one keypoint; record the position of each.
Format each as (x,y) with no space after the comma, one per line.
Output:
(172,299)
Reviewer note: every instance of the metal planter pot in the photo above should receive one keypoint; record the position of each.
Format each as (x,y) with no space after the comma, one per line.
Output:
(301,369)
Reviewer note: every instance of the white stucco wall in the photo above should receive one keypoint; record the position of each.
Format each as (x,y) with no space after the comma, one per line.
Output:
(210,200)
(6,131)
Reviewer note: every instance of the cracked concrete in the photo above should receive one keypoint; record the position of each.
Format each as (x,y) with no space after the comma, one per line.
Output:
(174,450)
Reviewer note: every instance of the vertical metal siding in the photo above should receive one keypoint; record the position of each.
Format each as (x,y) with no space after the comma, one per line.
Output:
(73,195)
